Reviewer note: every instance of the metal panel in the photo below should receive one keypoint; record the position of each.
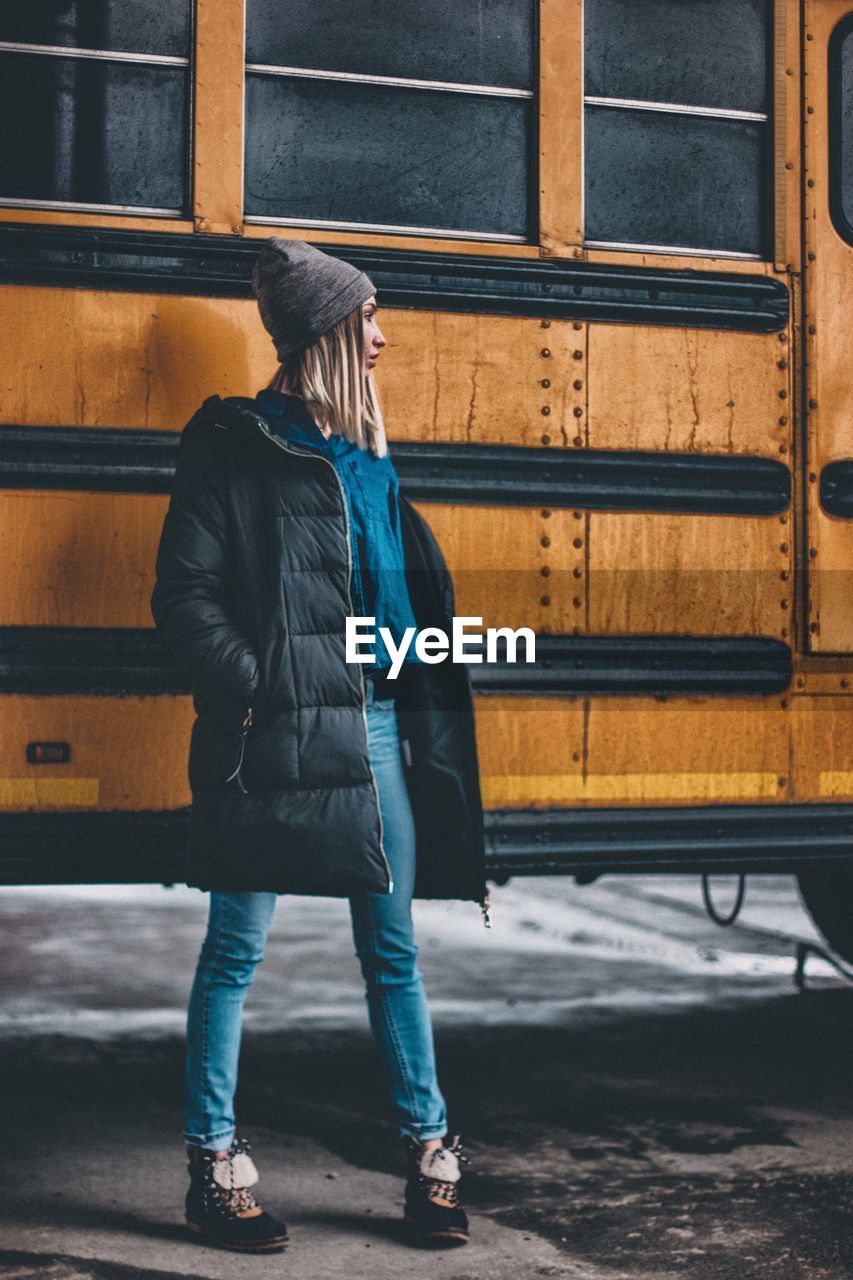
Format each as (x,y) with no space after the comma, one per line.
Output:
(367,153)
(697,575)
(150,847)
(213,266)
(126,753)
(93,132)
(687,390)
(134,26)
(721,838)
(487,43)
(132,661)
(655,178)
(708,53)
(219,94)
(632,751)
(136,461)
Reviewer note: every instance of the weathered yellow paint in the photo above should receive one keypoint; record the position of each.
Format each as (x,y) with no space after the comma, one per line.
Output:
(220,60)
(661,788)
(837,782)
(75,559)
(787,116)
(615,787)
(97,359)
(132,750)
(633,751)
(89,358)
(689,390)
(700,575)
(479,379)
(821,746)
(114,221)
(24,794)
(680,261)
(501,570)
(561,127)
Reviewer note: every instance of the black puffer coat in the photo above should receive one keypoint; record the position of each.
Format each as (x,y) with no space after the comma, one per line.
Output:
(252,593)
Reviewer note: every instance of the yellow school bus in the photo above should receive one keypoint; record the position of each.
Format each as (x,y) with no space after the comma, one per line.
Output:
(613,243)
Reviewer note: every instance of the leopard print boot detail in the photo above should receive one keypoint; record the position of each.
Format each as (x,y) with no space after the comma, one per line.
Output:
(433,1214)
(220,1207)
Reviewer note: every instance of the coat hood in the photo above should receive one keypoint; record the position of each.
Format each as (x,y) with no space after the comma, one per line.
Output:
(237,413)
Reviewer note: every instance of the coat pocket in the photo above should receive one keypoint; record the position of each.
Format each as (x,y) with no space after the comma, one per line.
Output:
(216,755)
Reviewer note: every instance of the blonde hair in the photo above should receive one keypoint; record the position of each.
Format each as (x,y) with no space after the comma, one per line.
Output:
(330,377)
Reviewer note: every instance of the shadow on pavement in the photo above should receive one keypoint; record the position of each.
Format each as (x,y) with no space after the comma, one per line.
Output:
(713,1141)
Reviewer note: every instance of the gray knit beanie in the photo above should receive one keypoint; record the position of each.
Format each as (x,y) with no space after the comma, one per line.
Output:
(303,293)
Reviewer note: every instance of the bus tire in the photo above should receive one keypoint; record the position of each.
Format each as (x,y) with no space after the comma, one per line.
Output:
(828,898)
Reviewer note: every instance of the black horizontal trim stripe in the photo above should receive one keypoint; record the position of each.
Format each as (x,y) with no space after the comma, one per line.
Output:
(707,838)
(123,661)
(650,665)
(221,266)
(100,661)
(131,460)
(607,480)
(123,460)
(149,847)
(836,489)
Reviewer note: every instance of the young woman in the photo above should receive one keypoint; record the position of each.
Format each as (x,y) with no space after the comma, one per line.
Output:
(311,774)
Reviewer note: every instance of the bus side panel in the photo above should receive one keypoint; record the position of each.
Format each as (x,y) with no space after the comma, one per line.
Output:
(694,390)
(632,751)
(73,559)
(126,753)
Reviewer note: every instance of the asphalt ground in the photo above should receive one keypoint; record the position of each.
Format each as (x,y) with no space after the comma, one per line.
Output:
(641,1093)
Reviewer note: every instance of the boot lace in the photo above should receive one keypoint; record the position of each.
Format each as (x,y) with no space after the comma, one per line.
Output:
(227,1202)
(437,1188)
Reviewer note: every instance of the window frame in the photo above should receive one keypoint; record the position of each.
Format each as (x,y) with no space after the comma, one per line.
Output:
(842,31)
(416,85)
(84,54)
(654,107)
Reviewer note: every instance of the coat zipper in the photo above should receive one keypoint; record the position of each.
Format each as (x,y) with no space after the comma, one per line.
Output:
(304,453)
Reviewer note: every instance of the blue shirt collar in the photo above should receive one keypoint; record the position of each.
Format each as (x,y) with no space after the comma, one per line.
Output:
(290,420)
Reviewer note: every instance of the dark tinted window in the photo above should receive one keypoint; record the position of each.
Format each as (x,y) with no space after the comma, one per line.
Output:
(127,26)
(705,53)
(670,180)
(92,132)
(488,42)
(327,150)
(841,128)
(696,174)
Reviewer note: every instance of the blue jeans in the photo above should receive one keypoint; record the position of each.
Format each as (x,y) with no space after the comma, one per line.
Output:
(384,943)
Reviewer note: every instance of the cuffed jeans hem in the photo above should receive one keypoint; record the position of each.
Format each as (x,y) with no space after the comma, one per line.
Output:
(422,1132)
(219,1142)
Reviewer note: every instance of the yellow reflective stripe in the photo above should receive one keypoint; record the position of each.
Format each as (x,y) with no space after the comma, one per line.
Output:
(836,782)
(561,788)
(48,793)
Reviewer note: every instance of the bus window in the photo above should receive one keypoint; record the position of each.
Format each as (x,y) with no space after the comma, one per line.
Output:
(94,104)
(677,125)
(841,128)
(397,116)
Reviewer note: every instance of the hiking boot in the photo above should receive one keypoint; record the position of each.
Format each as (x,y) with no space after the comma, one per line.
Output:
(221,1209)
(433,1214)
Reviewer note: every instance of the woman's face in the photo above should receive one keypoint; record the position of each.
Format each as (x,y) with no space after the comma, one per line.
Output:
(373,339)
